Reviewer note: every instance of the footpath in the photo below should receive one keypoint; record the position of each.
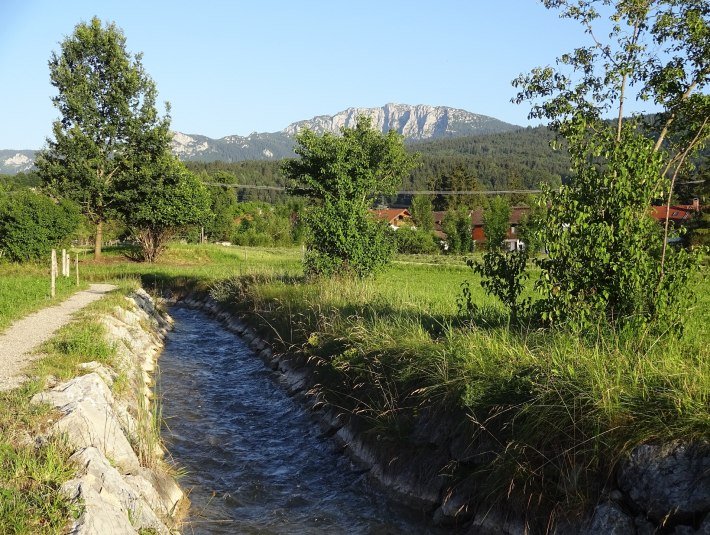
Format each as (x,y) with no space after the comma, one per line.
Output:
(18,342)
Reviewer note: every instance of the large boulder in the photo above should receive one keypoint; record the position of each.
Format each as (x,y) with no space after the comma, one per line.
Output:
(670,481)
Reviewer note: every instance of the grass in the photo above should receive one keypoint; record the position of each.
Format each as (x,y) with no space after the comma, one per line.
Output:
(555,411)
(31,472)
(26,288)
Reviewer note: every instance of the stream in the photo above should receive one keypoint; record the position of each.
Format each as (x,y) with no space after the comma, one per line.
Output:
(254,459)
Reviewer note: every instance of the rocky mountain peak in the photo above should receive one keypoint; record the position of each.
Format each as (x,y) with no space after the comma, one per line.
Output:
(414,122)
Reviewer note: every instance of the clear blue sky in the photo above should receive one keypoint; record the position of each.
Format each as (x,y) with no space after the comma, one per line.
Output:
(234,67)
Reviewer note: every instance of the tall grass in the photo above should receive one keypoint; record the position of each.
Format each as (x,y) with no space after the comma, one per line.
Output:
(554,410)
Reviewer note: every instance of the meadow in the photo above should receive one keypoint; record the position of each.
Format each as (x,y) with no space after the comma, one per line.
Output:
(562,407)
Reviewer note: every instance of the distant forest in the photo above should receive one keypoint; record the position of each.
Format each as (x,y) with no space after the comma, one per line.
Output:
(522,159)
(515,160)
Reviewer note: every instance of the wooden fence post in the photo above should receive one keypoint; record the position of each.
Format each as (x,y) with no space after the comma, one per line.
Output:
(76,268)
(54,273)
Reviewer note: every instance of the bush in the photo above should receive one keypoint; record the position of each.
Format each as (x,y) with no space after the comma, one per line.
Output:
(262,224)
(415,241)
(32,224)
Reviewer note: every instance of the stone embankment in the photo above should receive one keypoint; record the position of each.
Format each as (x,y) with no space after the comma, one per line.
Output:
(122,481)
(658,489)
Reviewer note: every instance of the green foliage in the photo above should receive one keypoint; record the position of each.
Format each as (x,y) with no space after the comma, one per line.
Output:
(457,227)
(503,275)
(263,224)
(223,205)
(159,198)
(496,222)
(604,249)
(32,224)
(108,118)
(607,258)
(422,213)
(415,241)
(457,179)
(341,175)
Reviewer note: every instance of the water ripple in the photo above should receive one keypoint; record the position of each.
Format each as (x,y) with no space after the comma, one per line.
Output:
(255,461)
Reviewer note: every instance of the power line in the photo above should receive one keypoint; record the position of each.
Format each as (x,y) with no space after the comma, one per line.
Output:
(417,192)
(406,192)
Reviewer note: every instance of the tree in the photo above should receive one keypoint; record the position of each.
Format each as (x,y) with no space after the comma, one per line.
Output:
(157,199)
(503,273)
(107,106)
(422,213)
(496,222)
(457,227)
(223,203)
(341,175)
(606,256)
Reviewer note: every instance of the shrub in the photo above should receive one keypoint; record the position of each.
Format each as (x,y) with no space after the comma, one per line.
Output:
(415,241)
(32,224)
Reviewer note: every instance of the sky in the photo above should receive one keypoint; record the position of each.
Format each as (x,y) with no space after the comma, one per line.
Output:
(236,67)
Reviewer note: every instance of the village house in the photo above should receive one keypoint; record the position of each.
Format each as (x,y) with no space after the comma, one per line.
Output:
(394,217)
(679,214)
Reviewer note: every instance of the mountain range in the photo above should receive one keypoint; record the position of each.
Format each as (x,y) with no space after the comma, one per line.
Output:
(414,122)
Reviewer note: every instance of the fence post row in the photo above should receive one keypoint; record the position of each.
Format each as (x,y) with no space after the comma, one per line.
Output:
(53,275)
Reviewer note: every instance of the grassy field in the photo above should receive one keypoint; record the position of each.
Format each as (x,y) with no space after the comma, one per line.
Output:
(562,408)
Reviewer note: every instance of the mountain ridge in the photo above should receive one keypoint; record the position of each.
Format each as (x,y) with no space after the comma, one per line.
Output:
(415,122)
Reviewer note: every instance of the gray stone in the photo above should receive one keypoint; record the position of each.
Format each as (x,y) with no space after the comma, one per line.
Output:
(643,526)
(672,480)
(110,504)
(89,419)
(609,519)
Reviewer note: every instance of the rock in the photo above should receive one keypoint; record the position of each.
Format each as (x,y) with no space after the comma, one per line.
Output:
(110,504)
(670,481)
(159,490)
(608,518)
(496,522)
(643,526)
(89,419)
(106,373)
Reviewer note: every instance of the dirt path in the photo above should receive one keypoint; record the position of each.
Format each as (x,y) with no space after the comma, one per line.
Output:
(23,336)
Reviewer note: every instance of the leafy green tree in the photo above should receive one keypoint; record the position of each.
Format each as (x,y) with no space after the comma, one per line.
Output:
(341,175)
(606,256)
(457,227)
(223,203)
(107,105)
(32,224)
(503,273)
(422,213)
(158,199)
(496,222)
(263,224)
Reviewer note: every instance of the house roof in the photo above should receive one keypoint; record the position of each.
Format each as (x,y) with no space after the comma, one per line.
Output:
(390,215)
(516,215)
(678,213)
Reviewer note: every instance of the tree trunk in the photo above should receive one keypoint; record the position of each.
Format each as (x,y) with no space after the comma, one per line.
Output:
(99,239)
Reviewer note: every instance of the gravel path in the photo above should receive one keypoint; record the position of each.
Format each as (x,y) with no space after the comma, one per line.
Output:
(23,336)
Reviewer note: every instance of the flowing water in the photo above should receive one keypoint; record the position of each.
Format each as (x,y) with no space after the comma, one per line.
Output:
(255,461)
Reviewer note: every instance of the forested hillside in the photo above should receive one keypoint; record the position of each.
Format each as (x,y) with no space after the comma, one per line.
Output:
(514,160)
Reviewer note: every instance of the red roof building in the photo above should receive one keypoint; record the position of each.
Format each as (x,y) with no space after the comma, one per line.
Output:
(394,217)
(679,214)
